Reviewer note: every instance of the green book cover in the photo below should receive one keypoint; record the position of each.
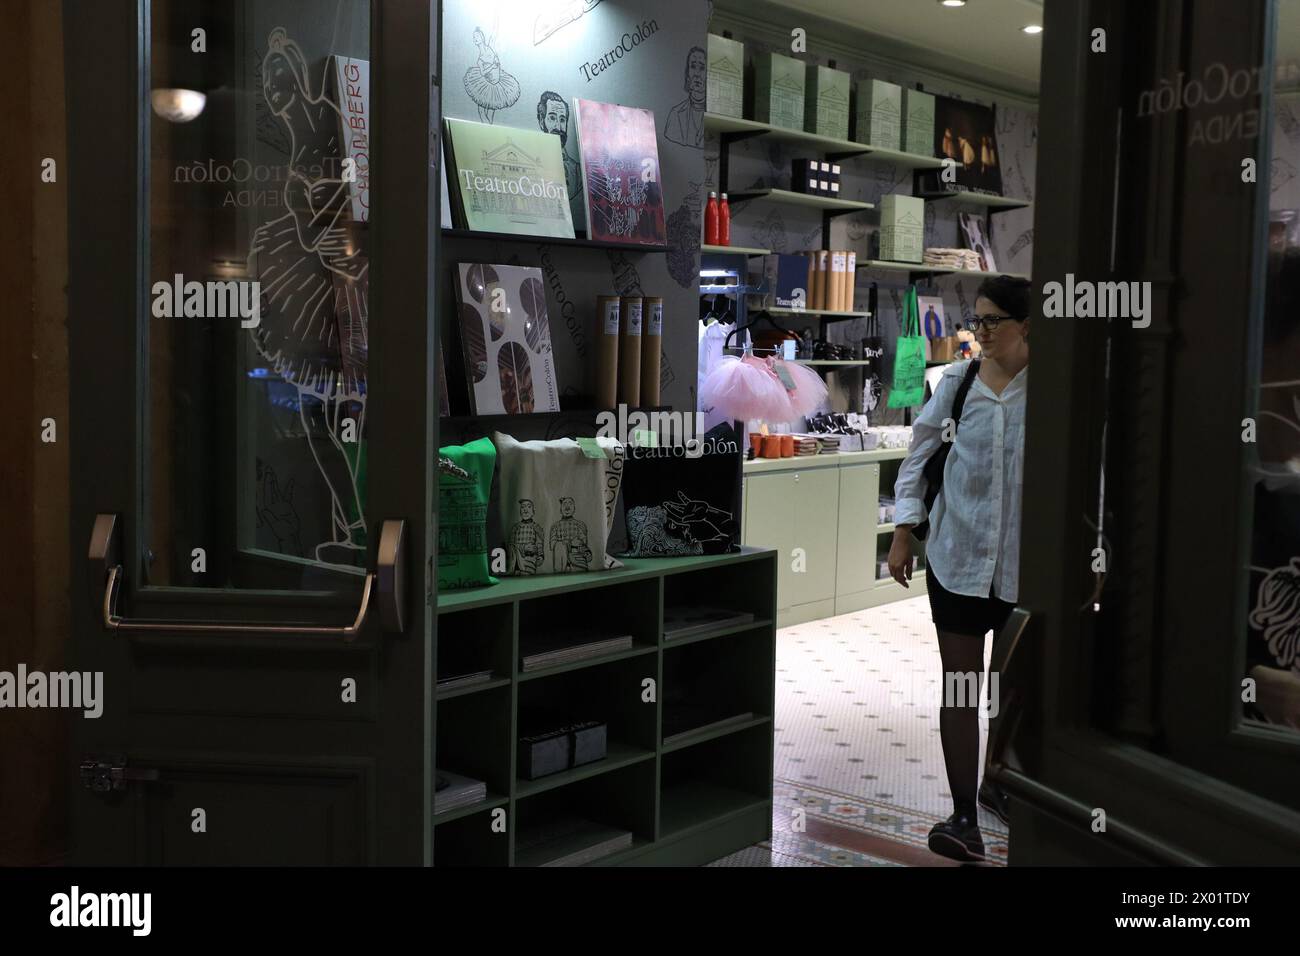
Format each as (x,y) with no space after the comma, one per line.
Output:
(509,180)
(778,90)
(826,102)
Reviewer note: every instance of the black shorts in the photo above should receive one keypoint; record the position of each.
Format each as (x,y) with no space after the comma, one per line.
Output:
(962,614)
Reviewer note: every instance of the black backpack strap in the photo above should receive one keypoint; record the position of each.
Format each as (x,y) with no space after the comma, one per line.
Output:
(959,400)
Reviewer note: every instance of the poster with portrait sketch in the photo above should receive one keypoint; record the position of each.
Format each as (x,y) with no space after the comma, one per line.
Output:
(554,116)
(975,237)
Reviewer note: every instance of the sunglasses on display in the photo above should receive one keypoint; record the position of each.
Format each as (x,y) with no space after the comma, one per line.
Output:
(990,322)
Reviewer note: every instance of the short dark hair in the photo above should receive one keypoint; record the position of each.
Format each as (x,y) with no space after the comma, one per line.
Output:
(547,96)
(1008,293)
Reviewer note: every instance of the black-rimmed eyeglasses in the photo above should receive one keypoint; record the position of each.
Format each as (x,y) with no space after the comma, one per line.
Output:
(991,322)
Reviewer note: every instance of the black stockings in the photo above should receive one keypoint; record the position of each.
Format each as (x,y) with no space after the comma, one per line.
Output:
(959,729)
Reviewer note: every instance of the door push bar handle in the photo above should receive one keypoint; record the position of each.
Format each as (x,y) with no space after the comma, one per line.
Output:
(107,576)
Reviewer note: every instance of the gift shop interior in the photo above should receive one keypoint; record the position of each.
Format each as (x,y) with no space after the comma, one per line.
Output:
(620,450)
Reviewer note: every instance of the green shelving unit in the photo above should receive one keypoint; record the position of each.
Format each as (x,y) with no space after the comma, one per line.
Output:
(801,199)
(698,797)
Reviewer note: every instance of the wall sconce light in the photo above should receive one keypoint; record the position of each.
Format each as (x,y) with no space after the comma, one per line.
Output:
(178,106)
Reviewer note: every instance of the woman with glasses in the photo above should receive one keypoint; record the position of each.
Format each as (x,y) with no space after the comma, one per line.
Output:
(973,552)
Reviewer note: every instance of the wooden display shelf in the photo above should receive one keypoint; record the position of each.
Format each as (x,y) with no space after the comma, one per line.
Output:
(492,801)
(480,236)
(921,269)
(714,786)
(830,362)
(801,199)
(829,145)
(826,313)
(977,200)
(734,250)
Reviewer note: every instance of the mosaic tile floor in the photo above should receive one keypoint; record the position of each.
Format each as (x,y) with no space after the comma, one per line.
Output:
(859,767)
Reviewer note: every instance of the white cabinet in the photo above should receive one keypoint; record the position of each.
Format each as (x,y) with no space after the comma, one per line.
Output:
(855,561)
(821,517)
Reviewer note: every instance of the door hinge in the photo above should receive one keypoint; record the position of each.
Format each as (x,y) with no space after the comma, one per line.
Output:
(106,774)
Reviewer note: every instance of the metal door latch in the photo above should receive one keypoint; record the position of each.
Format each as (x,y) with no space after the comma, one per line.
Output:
(104,775)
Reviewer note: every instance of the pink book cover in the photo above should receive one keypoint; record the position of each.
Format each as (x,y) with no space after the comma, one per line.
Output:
(620,172)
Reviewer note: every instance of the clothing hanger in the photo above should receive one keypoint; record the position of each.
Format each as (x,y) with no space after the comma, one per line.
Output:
(761,316)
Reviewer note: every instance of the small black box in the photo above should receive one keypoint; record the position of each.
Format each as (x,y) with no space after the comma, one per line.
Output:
(546,753)
(589,742)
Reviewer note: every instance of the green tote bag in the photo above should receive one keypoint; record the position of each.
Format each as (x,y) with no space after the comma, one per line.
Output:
(908,387)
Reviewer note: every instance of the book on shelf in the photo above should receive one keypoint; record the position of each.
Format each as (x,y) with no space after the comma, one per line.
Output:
(453,791)
(453,681)
(568,841)
(507,180)
(623,193)
(505,339)
(688,621)
(352,89)
(553,648)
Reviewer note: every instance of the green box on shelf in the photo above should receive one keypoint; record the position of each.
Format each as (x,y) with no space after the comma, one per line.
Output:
(880,114)
(918,122)
(902,228)
(726,77)
(778,90)
(826,102)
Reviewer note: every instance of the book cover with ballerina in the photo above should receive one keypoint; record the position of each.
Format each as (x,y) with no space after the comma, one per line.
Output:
(623,194)
(508,180)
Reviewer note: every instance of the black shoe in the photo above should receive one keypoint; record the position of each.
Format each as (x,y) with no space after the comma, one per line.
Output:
(958,838)
(992,799)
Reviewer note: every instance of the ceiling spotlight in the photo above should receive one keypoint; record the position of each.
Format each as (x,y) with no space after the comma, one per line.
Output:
(178,106)
(1032,29)
(952,3)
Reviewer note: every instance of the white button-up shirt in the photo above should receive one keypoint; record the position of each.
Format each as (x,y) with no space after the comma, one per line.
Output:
(974,541)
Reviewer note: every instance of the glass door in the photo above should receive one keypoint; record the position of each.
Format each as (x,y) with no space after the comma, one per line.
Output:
(1159,659)
(252,354)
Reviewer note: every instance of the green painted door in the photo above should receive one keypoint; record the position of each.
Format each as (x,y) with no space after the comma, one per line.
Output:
(252,364)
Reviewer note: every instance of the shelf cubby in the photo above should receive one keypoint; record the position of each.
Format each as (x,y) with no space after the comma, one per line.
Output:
(476,640)
(470,840)
(711,688)
(620,800)
(474,738)
(716,781)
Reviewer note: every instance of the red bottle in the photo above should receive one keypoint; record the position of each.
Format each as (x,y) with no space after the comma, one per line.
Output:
(711,221)
(724,222)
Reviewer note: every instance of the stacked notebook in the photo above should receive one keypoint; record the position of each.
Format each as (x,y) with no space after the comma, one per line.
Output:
(689,621)
(805,445)
(453,681)
(569,841)
(830,444)
(952,258)
(568,647)
(452,791)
